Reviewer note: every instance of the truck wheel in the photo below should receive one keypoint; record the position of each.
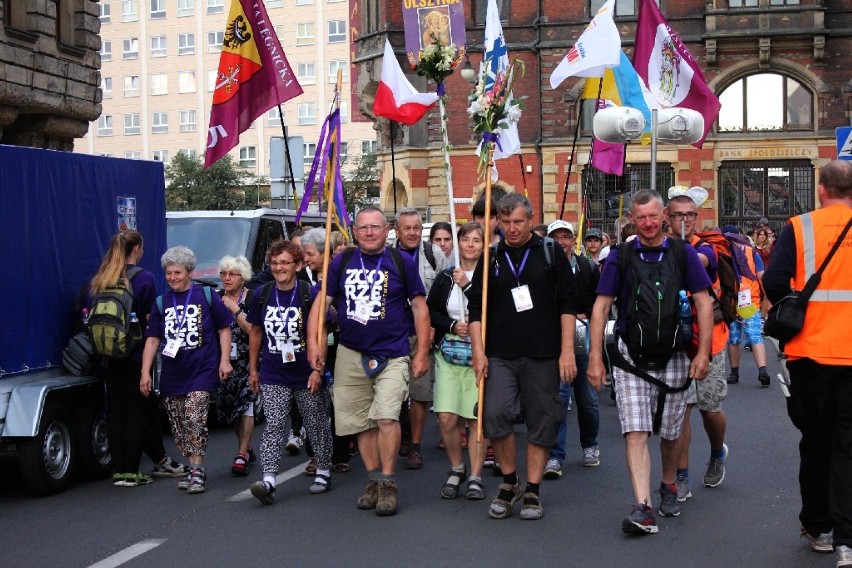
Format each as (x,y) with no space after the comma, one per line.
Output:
(93,460)
(46,460)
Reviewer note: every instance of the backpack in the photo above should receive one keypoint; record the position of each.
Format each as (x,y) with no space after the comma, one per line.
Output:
(730,270)
(429,254)
(304,292)
(547,248)
(110,329)
(652,304)
(79,356)
(208,296)
(395,255)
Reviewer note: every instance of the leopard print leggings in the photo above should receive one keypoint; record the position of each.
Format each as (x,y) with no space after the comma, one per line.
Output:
(277,400)
(188,417)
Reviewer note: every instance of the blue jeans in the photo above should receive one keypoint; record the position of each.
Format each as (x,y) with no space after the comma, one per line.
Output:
(588,417)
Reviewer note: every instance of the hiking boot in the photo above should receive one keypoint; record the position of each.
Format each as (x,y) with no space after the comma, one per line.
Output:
(553,470)
(763,378)
(501,506)
(388,498)
(668,500)
(591,457)
(683,490)
(264,491)
(716,470)
(640,521)
(168,467)
(197,481)
(414,460)
(732,379)
(370,496)
(844,556)
(822,543)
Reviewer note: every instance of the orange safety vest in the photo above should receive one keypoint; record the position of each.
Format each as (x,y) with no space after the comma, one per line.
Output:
(720,330)
(828,321)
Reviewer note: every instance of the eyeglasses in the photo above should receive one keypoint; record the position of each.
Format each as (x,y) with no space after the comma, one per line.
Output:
(678,216)
(225,273)
(369,228)
(277,263)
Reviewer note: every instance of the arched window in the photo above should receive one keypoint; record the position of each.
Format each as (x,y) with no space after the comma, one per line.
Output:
(766,102)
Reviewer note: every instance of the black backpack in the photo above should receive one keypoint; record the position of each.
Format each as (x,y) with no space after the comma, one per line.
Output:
(652,309)
(110,329)
(304,293)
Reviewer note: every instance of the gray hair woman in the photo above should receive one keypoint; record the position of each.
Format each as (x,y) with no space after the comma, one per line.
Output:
(194,326)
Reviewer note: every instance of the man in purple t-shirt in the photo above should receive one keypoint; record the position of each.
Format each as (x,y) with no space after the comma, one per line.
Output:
(636,397)
(371,373)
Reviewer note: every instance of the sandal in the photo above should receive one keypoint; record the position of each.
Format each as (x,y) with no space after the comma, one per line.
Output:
(450,490)
(322,483)
(311,468)
(341,468)
(238,468)
(531,511)
(501,506)
(475,491)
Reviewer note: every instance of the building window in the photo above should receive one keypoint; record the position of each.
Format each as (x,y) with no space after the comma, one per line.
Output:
(215,6)
(132,123)
(188,152)
(305,73)
(307,113)
(185,7)
(304,2)
(773,189)
(332,1)
(279,30)
(305,33)
(622,7)
(336,31)
(131,86)
(160,156)
(273,116)
(211,80)
(344,111)
(333,66)
(783,2)
(766,102)
(106,87)
(186,44)
(369,147)
(603,191)
(214,41)
(159,84)
(310,151)
(158,46)
(372,16)
(106,51)
(275,4)
(343,152)
(742,3)
(187,121)
(131,48)
(105,12)
(129,10)
(481,6)
(159,123)
(105,125)
(158,9)
(133,155)
(186,82)
(248,157)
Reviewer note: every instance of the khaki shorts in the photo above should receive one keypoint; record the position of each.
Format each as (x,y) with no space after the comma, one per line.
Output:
(422,389)
(709,393)
(359,402)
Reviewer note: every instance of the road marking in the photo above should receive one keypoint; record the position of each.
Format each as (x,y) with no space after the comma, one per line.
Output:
(281,478)
(129,553)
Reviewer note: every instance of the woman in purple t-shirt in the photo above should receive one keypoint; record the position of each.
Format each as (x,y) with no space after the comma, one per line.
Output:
(194,326)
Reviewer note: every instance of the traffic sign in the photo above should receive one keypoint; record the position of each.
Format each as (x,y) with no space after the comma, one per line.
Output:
(844,143)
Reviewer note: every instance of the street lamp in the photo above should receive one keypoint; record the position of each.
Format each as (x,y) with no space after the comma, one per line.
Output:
(679,125)
(468,73)
(618,124)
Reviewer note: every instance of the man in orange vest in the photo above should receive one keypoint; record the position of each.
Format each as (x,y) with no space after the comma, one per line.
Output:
(709,393)
(819,360)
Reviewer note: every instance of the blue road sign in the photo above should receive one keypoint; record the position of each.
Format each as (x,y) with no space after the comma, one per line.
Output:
(844,143)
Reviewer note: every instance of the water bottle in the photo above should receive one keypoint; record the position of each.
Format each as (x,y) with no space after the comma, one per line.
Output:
(133,318)
(685,318)
(85,316)
(328,378)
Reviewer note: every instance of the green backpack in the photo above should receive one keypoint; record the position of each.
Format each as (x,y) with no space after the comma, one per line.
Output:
(110,328)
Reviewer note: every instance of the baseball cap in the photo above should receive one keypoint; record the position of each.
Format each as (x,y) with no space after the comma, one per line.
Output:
(594,233)
(763,221)
(731,229)
(559,224)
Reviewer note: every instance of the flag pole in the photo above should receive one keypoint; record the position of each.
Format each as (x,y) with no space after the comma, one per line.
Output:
(329,182)
(486,263)
(393,168)
(653,149)
(450,195)
(287,155)
(571,159)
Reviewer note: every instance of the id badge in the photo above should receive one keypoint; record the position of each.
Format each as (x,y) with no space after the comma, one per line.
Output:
(171,348)
(522,298)
(288,352)
(362,313)
(744,298)
(233,350)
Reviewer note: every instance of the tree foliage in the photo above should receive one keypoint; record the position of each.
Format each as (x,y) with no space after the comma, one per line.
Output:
(222,186)
(361,184)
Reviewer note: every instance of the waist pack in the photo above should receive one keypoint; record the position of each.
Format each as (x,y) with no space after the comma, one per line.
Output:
(786,318)
(457,352)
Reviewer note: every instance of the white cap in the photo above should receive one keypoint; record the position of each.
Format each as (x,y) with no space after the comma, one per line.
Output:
(695,193)
(559,224)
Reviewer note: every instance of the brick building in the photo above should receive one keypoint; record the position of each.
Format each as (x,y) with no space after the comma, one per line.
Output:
(778,67)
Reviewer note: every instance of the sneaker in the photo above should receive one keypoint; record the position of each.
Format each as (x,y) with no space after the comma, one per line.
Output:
(183,483)
(824,543)
(668,500)
(507,496)
(387,498)
(197,481)
(168,467)
(763,378)
(370,496)
(844,556)
(591,457)
(141,479)
(489,457)
(683,490)
(264,491)
(732,379)
(553,470)
(294,444)
(716,470)
(414,460)
(121,479)
(747,347)
(640,521)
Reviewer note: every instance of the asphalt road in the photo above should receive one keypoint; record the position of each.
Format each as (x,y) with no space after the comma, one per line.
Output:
(750,520)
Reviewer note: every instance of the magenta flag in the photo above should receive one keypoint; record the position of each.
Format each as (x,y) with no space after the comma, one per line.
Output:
(669,70)
(608,157)
(254,76)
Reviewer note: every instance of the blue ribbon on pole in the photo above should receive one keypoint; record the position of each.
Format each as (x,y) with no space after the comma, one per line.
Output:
(441,91)
(492,137)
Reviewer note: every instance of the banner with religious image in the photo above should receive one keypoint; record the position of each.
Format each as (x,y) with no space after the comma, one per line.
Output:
(423,19)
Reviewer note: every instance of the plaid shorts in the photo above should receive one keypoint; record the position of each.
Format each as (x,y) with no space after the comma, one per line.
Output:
(637,399)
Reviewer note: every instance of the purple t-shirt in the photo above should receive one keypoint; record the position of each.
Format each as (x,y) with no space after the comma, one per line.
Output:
(373,280)
(284,320)
(712,262)
(611,283)
(188,316)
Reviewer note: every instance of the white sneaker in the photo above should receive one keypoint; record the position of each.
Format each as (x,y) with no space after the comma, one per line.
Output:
(591,457)
(294,444)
